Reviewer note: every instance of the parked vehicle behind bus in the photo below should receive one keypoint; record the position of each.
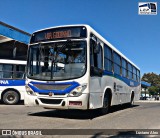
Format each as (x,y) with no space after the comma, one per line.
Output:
(12,81)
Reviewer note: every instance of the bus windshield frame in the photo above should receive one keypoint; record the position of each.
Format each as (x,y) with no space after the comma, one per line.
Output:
(57,60)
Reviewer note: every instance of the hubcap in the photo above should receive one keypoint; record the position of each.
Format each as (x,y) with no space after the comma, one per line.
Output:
(10,98)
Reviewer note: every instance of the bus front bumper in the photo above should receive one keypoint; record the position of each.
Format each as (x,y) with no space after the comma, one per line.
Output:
(80,102)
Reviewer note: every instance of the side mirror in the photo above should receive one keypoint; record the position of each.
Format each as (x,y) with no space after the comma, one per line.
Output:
(94,71)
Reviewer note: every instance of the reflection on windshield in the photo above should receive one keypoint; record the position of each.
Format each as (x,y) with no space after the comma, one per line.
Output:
(57,61)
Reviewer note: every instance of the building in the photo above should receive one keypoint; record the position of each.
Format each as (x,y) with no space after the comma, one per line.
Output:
(13,42)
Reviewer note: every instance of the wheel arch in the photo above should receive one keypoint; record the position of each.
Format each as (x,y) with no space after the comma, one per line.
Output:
(108,91)
(132,94)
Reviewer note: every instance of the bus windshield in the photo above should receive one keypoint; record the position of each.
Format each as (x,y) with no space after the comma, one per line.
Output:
(57,60)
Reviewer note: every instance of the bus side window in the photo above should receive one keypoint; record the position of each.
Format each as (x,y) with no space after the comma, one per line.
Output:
(7,71)
(99,57)
(108,65)
(1,71)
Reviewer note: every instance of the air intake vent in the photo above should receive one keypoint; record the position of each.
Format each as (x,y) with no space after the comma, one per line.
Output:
(51,101)
(51,87)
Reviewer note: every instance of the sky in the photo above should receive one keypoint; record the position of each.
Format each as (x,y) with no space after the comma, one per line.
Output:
(136,36)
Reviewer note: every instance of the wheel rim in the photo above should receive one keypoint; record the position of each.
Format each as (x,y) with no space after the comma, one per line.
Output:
(10,98)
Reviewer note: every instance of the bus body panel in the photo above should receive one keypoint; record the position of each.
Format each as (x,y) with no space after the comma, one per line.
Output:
(96,92)
(70,102)
(17,85)
(121,95)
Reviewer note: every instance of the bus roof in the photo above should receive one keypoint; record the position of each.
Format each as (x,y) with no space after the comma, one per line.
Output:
(97,35)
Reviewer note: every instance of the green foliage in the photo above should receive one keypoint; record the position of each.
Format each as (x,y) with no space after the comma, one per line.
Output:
(153,90)
(154,80)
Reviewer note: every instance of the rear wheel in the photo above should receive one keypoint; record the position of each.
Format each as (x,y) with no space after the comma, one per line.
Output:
(105,108)
(11,97)
(132,100)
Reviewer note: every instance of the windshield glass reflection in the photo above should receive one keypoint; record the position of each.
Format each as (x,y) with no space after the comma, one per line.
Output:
(57,61)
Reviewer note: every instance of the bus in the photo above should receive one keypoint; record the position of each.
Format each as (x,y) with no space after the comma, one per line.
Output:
(74,67)
(12,81)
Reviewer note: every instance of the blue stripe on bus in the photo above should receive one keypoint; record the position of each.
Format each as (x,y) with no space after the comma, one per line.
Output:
(129,82)
(12,82)
(72,86)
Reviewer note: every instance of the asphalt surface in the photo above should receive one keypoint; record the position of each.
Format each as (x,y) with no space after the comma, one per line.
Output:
(143,115)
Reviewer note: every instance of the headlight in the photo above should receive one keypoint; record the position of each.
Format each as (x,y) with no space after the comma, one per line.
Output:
(77,91)
(29,91)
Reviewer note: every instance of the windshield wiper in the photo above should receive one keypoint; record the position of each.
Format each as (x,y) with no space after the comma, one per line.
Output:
(56,53)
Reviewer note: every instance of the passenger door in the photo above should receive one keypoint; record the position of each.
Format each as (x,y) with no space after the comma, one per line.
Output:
(96,70)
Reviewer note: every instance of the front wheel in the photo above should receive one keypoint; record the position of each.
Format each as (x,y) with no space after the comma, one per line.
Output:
(105,108)
(11,97)
(131,103)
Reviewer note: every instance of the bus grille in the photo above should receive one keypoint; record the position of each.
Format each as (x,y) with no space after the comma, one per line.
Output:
(54,93)
(51,101)
(51,87)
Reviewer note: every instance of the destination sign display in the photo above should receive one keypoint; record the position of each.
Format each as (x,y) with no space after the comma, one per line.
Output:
(59,33)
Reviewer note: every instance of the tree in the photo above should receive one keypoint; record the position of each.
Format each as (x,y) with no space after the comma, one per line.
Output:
(154,80)
(153,90)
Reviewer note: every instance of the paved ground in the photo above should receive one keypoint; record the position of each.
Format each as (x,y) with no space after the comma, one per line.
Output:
(143,115)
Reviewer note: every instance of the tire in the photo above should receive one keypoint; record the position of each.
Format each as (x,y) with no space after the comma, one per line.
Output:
(132,100)
(11,97)
(104,110)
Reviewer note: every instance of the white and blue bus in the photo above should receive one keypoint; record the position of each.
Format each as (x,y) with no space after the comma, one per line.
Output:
(74,67)
(12,80)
